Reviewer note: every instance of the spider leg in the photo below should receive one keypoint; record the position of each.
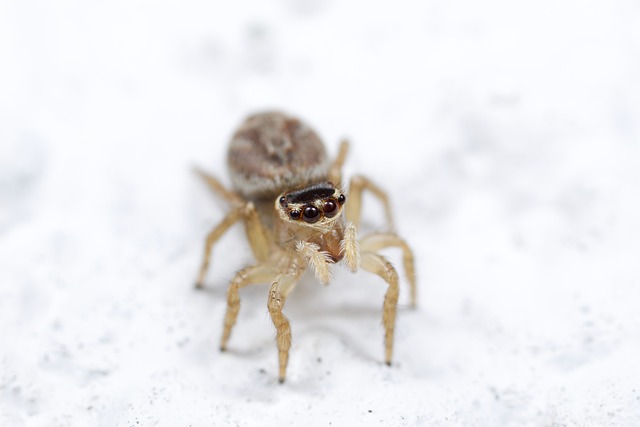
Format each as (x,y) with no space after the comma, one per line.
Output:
(213,236)
(379,265)
(354,205)
(278,293)
(335,170)
(256,234)
(260,273)
(218,188)
(376,241)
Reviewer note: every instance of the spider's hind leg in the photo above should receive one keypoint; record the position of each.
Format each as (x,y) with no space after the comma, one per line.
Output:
(215,185)
(335,170)
(357,186)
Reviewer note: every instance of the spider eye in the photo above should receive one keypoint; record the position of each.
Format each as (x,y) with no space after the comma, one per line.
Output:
(294,214)
(330,208)
(341,199)
(282,200)
(311,214)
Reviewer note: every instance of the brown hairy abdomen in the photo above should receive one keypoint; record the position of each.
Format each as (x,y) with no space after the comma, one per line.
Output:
(271,152)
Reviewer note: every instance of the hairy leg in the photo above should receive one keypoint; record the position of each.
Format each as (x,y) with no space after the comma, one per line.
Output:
(256,234)
(376,241)
(379,265)
(354,205)
(218,188)
(278,293)
(261,273)
(335,170)
(213,237)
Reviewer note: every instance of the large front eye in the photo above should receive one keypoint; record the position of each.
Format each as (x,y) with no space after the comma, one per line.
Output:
(330,208)
(311,214)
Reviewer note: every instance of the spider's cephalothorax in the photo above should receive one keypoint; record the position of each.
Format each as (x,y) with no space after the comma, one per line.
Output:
(312,214)
(297,216)
(317,206)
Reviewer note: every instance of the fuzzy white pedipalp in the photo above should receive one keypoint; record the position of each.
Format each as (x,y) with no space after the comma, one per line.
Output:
(318,260)
(350,248)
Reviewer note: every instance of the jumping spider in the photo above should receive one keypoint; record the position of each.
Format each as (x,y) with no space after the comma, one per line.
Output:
(289,197)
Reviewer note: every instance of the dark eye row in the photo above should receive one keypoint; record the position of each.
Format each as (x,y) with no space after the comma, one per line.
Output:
(312,214)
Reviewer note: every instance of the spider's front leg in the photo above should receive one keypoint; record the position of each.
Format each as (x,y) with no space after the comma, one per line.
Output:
(379,265)
(280,289)
(307,254)
(261,273)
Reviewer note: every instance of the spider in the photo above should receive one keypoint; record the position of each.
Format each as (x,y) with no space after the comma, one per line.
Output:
(289,196)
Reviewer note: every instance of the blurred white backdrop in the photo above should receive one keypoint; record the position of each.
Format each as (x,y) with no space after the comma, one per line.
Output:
(507,134)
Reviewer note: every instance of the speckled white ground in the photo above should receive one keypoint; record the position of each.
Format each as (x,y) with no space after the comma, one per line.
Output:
(508,136)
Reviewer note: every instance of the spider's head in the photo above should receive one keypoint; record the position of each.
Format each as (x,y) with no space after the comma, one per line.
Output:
(317,207)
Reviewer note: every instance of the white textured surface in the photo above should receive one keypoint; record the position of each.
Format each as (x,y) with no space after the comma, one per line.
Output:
(516,178)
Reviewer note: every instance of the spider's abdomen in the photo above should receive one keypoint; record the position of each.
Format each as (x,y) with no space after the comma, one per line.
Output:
(271,152)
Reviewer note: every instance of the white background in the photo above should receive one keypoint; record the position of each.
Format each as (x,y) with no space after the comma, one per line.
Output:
(507,135)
